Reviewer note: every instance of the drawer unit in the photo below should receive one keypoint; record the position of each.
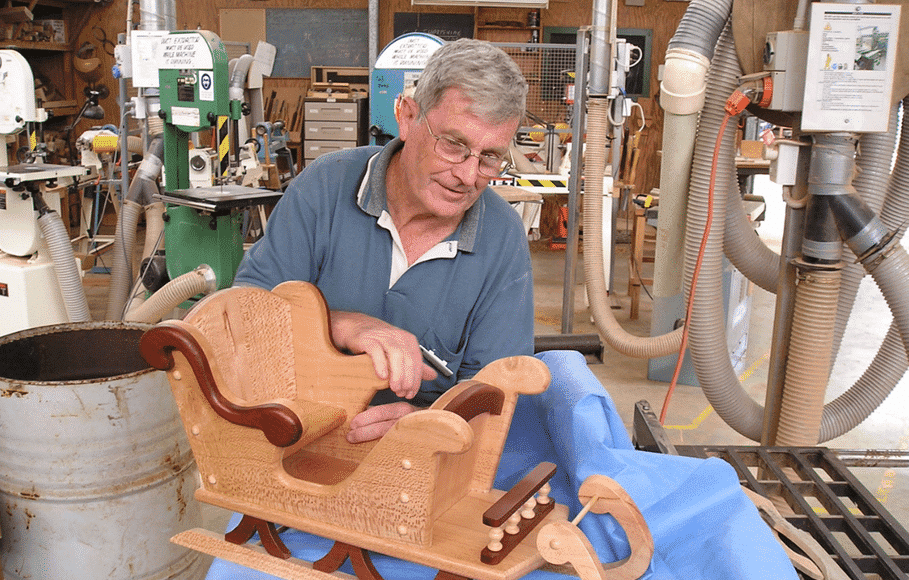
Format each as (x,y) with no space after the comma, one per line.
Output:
(316,148)
(331,130)
(333,124)
(331,111)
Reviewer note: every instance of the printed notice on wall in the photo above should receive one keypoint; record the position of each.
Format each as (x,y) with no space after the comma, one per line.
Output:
(851,62)
(184,51)
(408,52)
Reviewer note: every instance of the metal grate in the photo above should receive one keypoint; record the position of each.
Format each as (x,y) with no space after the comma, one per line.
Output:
(828,502)
(548,69)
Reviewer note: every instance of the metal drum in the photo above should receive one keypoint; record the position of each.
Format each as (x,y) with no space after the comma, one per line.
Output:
(96,474)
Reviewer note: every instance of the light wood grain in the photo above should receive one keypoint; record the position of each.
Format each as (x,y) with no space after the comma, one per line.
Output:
(563,542)
(418,493)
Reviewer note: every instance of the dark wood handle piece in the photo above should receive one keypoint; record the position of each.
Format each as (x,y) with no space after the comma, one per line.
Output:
(499,512)
(281,426)
(477,399)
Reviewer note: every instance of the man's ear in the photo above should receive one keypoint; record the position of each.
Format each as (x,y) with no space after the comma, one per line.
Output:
(408,115)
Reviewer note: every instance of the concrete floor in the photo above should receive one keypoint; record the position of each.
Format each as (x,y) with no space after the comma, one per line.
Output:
(691,419)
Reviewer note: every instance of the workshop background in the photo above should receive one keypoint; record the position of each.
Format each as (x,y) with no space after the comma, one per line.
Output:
(627,267)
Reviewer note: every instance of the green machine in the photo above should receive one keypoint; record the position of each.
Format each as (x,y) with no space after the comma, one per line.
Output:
(204,225)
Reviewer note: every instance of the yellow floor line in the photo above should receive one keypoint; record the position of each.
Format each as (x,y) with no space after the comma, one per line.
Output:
(706,412)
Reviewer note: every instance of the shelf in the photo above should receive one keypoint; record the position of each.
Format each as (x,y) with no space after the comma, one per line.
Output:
(26,45)
(496,27)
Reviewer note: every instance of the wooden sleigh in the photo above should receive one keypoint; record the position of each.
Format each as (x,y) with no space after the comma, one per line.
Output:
(266,400)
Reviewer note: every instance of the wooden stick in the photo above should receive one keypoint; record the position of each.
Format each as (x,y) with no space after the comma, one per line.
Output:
(577,519)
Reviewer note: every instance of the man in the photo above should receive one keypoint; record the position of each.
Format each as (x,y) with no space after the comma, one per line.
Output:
(408,244)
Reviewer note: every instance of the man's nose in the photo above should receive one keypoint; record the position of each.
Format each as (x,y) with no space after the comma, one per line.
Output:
(468,170)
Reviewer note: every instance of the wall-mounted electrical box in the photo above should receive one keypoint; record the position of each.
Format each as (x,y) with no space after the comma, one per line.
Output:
(850,70)
(784,58)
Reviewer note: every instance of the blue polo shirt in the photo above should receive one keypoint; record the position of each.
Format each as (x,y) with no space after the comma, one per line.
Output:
(471,302)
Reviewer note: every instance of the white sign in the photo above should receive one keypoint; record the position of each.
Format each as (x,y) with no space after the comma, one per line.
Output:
(206,85)
(184,51)
(185,116)
(408,52)
(144,43)
(851,62)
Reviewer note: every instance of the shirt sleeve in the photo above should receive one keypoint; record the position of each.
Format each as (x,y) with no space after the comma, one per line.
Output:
(289,249)
(504,322)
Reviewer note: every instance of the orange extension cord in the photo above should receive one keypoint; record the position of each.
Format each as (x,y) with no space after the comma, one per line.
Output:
(734,105)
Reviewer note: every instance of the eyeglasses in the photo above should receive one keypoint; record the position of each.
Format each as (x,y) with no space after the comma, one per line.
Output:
(454,151)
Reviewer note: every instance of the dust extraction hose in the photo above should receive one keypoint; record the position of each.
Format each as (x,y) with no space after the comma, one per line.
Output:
(141,191)
(606,323)
(202,280)
(61,251)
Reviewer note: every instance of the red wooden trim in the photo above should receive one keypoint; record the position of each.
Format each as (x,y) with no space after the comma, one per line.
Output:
(499,512)
(281,426)
(271,541)
(443,575)
(359,559)
(477,399)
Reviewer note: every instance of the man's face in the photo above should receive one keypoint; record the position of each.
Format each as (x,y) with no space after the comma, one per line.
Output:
(439,187)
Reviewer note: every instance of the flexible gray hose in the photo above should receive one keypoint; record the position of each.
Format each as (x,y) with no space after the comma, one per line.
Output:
(701,25)
(141,192)
(709,351)
(121,273)
(892,276)
(61,252)
(744,247)
(890,363)
(173,294)
(875,153)
(238,77)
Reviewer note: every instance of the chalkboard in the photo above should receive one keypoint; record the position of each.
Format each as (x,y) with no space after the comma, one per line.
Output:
(306,37)
(445,26)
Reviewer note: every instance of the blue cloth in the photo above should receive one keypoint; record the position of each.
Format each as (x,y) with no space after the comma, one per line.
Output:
(703,525)
(470,309)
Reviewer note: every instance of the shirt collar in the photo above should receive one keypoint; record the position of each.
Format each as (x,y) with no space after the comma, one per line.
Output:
(372,197)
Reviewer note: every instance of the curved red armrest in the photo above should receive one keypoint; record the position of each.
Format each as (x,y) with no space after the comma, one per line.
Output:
(281,426)
(477,399)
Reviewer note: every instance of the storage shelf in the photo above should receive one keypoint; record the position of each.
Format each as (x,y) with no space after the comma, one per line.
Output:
(26,45)
(497,27)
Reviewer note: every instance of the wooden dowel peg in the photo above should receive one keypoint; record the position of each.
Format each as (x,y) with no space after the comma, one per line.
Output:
(512,527)
(527,512)
(586,509)
(543,496)
(495,539)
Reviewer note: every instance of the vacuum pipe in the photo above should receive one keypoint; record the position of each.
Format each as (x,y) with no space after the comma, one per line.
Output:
(708,345)
(793,232)
(809,357)
(873,160)
(606,323)
(68,277)
(141,191)
(744,248)
(202,280)
(158,15)
(682,93)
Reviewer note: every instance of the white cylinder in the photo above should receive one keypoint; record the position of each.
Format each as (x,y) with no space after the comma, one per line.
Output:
(96,474)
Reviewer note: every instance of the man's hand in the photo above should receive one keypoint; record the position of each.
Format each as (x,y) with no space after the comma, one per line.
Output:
(395,353)
(375,422)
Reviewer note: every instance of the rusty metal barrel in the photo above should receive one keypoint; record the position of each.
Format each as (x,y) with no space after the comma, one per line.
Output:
(96,473)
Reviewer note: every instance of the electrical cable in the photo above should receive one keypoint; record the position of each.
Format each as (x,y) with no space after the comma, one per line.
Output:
(734,105)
